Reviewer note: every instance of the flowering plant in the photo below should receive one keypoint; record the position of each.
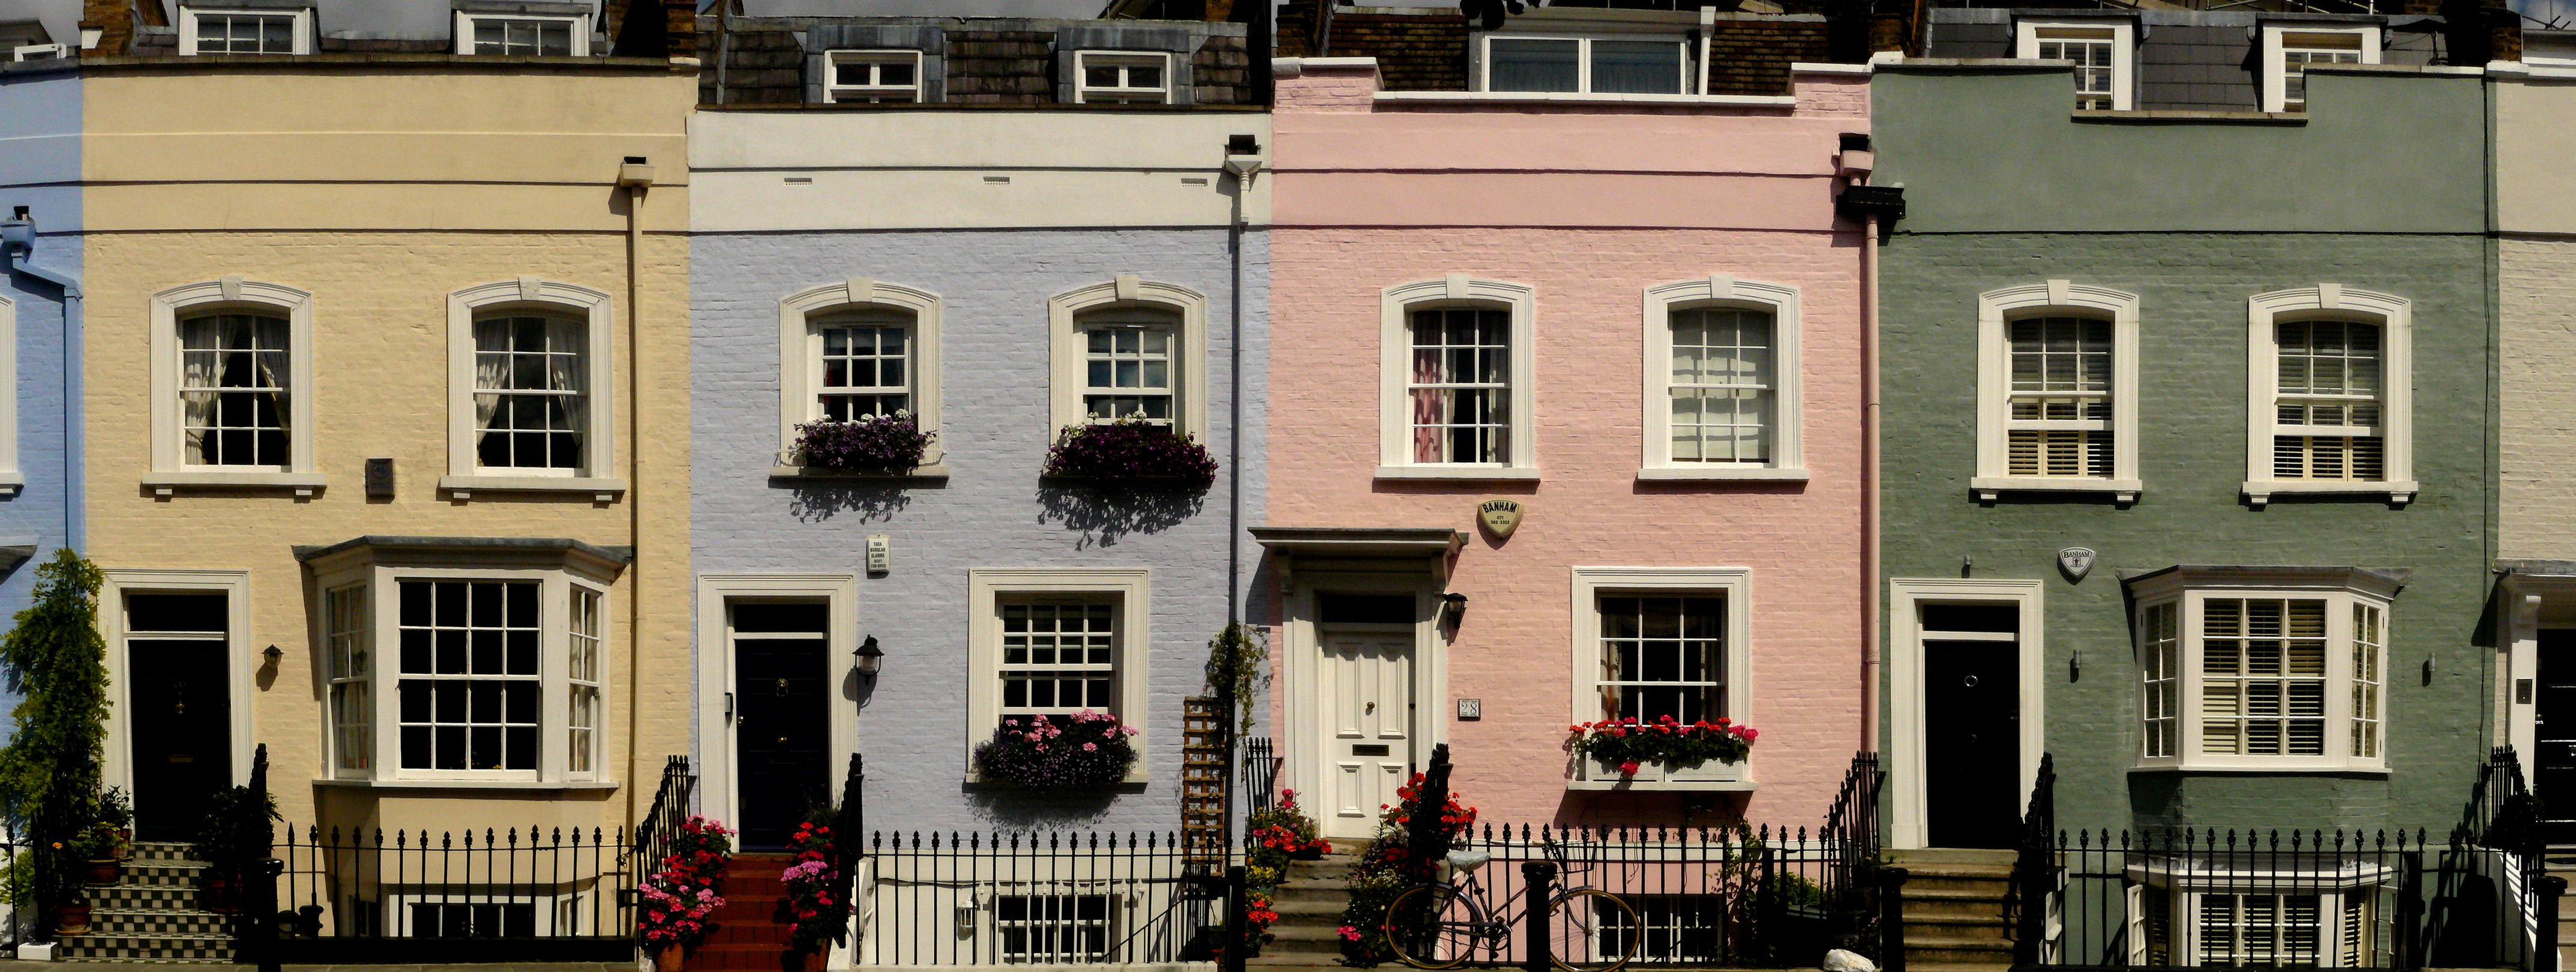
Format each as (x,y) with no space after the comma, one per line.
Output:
(1630,743)
(1281,833)
(1081,749)
(816,904)
(889,443)
(1130,450)
(1386,869)
(682,896)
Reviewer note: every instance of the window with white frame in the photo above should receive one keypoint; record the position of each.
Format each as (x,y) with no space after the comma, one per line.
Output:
(2290,49)
(1054,928)
(497,673)
(1122,77)
(855,349)
(39,52)
(2277,668)
(872,77)
(1721,396)
(2211,913)
(2330,403)
(1129,349)
(522,35)
(529,390)
(2100,50)
(1668,927)
(231,374)
(214,30)
(1657,642)
(1051,643)
(2057,374)
(1455,380)
(1587,65)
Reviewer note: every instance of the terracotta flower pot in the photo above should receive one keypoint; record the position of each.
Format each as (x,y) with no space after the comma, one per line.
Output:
(105,872)
(215,893)
(811,959)
(124,843)
(668,958)
(71,919)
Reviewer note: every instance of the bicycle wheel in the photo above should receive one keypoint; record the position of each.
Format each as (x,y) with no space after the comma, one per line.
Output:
(1431,927)
(1590,930)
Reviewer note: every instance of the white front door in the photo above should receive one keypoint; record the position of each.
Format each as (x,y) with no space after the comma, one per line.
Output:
(1367,724)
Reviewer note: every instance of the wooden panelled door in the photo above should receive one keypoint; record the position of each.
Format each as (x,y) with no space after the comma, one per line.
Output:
(1972,724)
(1367,723)
(781,705)
(2553,735)
(178,717)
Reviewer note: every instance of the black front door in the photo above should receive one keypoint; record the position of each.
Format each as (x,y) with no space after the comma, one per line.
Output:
(2553,735)
(782,717)
(1972,726)
(178,710)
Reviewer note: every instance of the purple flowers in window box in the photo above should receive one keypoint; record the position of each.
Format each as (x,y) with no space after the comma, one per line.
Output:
(1086,748)
(871,443)
(1131,451)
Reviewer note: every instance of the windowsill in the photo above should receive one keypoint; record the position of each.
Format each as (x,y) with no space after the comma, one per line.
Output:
(2260,492)
(1460,473)
(12,481)
(164,483)
(602,489)
(1591,98)
(2155,115)
(1720,473)
(937,471)
(471,784)
(1988,488)
(2284,770)
(1136,777)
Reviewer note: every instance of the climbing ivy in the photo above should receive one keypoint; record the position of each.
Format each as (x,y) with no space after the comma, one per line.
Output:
(56,661)
(1238,666)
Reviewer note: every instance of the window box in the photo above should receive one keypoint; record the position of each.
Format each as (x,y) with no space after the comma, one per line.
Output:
(785,470)
(1131,452)
(1597,774)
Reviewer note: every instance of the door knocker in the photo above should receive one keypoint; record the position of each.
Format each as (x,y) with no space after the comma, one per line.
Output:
(1970,681)
(782,688)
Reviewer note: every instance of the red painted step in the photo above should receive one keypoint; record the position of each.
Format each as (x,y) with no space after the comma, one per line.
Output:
(748,937)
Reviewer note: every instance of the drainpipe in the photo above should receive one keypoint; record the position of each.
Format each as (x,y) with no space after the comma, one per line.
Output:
(634,176)
(1871,641)
(18,235)
(1242,161)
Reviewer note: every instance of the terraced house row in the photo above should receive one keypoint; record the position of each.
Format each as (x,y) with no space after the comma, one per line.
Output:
(2106,461)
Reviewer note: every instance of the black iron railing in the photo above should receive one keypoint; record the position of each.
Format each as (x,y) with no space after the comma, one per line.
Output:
(671,802)
(1261,772)
(1032,898)
(2032,872)
(482,895)
(2213,898)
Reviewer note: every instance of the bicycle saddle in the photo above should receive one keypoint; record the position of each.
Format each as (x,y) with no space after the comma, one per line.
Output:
(1467,860)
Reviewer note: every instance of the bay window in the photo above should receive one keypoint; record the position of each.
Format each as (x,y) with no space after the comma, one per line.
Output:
(2256,668)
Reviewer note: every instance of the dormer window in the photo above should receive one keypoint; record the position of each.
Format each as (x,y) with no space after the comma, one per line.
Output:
(2290,49)
(204,30)
(563,36)
(873,77)
(40,52)
(1586,65)
(2100,51)
(1122,77)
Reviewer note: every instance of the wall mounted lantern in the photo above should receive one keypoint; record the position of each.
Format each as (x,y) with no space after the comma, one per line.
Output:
(868,659)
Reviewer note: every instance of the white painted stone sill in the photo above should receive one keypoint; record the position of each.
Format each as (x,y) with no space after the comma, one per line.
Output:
(1461,474)
(2260,492)
(602,489)
(470,784)
(1722,474)
(2211,117)
(2355,769)
(1582,98)
(782,471)
(1991,488)
(166,483)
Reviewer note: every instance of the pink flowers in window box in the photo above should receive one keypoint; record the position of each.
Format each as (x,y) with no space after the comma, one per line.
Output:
(1086,748)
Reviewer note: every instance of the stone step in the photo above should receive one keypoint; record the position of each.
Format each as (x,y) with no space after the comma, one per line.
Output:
(1913,966)
(162,850)
(131,897)
(158,921)
(1954,948)
(94,947)
(1944,856)
(1954,926)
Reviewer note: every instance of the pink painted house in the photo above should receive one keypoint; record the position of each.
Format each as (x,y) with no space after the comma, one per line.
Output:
(1626,306)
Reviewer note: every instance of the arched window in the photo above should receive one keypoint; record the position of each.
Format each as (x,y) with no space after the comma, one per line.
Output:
(530,408)
(232,379)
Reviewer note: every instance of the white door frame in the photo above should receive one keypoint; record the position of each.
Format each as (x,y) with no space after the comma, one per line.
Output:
(2522,596)
(1908,826)
(1303,660)
(719,790)
(239,668)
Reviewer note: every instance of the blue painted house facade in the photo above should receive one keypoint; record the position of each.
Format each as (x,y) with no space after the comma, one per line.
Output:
(40,300)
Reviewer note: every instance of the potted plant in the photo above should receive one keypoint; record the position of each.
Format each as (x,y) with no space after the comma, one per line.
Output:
(95,848)
(1627,752)
(72,917)
(228,836)
(684,892)
(1281,834)
(1385,870)
(1133,452)
(116,812)
(1084,749)
(870,443)
(816,903)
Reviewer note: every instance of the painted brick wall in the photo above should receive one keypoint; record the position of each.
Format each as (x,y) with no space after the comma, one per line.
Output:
(2537,304)
(380,375)
(42,113)
(993,512)
(1801,541)
(2193,288)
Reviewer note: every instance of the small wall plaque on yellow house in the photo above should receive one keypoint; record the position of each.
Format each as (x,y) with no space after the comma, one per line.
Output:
(1500,516)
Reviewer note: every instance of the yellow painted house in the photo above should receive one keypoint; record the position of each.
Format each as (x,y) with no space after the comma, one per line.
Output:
(368,328)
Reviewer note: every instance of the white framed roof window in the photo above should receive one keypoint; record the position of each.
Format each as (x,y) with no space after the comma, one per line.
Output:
(2289,48)
(1722,396)
(872,77)
(1585,64)
(523,34)
(2103,52)
(245,30)
(1122,77)
(40,52)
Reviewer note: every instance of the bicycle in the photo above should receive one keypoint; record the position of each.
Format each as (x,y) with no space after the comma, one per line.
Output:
(1440,924)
